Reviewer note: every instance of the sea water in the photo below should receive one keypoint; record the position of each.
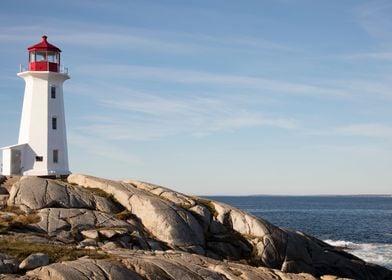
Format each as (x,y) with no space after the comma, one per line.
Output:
(361,224)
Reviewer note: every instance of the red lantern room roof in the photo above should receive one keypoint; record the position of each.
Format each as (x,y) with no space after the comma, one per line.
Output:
(44,45)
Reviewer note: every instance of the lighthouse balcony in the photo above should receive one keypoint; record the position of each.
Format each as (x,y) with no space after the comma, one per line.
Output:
(44,66)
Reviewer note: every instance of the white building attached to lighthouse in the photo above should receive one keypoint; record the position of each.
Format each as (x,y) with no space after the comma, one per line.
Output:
(42,144)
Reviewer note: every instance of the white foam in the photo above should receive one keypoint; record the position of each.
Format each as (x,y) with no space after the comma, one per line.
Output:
(377,253)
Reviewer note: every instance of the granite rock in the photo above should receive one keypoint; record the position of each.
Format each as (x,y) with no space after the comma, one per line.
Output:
(163,234)
(34,261)
(32,193)
(84,269)
(182,265)
(54,220)
(162,218)
(225,232)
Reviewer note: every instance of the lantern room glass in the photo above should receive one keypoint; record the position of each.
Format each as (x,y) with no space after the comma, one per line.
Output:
(32,57)
(49,56)
(40,56)
(52,56)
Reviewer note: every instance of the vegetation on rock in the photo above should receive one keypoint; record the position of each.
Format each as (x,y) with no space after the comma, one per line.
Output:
(21,249)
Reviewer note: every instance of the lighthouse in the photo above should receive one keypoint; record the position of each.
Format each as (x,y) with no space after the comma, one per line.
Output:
(42,143)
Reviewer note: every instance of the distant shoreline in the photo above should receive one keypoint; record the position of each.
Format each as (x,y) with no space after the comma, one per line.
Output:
(300,195)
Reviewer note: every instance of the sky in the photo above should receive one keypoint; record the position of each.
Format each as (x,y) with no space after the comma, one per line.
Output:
(216,97)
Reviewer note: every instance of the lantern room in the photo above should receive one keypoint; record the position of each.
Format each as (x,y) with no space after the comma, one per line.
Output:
(44,56)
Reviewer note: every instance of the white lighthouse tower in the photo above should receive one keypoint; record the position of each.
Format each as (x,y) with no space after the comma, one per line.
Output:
(42,144)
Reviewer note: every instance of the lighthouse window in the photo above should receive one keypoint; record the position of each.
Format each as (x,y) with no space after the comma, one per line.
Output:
(52,57)
(55,156)
(40,56)
(32,57)
(53,92)
(39,158)
(54,123)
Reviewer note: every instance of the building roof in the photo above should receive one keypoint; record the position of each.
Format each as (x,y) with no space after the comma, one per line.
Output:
(13,146)
(44,45)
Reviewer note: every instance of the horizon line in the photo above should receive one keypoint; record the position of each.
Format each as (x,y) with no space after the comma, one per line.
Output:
(296,195)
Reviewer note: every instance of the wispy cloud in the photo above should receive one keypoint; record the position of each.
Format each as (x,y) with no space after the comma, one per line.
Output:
(82,35)
(147,129)
(141,115)
(149,114)
(193,115)
(371,87)
(375,18)
(184,76)
(125,38)
(155,105)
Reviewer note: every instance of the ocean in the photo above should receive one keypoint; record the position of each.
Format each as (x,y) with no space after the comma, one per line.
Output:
(362,224)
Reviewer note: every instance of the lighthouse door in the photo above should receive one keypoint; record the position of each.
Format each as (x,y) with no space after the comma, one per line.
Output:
(16,161)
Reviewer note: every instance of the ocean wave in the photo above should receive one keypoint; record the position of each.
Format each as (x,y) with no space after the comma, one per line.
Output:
(377,253)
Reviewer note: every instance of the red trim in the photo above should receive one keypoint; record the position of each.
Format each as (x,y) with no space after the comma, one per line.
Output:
(43,66)
(44,45)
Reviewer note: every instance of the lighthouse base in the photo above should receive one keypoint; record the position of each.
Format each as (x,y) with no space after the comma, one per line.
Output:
(20,160)
(12,160)
(48,173)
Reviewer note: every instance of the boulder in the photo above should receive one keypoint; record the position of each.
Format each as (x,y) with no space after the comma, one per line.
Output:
(33,193)
(91,234)
(290,251)
(162,265)
(269,242)
(111,232)
(162,218)
(34,261)
(202,214)
(182,265)
(84,269)
(55,220)
(177,198)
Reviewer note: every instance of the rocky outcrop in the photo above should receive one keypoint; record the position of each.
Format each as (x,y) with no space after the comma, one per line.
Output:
(54,220)
(181,265)
(84,269)
(32,193)
(145,231)
(163,265)
(163,219)
(228,232)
